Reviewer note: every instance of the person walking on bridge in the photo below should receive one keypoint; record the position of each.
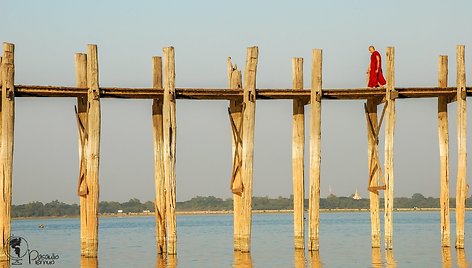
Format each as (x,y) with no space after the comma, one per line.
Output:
(376,78)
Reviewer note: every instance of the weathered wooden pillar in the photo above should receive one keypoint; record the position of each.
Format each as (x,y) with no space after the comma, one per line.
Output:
(299,260)
(462,187)
(461,258)
(169,132)
(249,114)
(6,148)
(315,150)
(235,116)
(92,155)
(298,156)
(374,170)
(390,96)
(443,135)
(82,125)
(446,257)
(159,178)
(376,258)
(88,262)
(243,260)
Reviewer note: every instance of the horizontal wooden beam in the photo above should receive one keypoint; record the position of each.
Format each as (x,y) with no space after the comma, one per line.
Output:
(225,94)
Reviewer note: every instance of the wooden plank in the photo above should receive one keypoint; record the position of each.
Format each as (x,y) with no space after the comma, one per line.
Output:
(249,113)
(315,151)
(389,139)
(169,132)
(225,94)
(159,178)
(298,156)
(462,187)
(82,125)
(374,171)
(443,136)
(93,154)
(6,147)
(235,110)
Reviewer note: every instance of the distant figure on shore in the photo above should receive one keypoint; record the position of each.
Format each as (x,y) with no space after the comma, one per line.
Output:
(376,78)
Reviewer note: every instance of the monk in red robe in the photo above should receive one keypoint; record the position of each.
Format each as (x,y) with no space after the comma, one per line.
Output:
(376,78)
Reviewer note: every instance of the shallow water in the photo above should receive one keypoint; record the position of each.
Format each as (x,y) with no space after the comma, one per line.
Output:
(207,241)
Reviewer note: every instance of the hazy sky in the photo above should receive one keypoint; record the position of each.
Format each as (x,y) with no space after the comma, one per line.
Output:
(204,33)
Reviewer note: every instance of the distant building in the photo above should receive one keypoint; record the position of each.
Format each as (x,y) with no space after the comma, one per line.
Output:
(356,196)
(146,211)
(120,211)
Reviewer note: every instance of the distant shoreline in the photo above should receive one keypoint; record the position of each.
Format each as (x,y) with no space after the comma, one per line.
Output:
(223,212)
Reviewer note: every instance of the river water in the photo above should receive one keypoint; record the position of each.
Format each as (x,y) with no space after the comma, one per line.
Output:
(207,241)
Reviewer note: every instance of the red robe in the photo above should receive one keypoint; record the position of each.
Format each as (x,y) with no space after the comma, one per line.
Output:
(376,79)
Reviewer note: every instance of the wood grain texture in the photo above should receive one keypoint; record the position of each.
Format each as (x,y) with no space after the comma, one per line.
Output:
(315,151)
(159,178)
(6,146)
(93,154)
(82,125)
(169,132)
(443,136)
(249,111)
(372,153)
(461,187)
(298,156)
(236,185)
(389,140)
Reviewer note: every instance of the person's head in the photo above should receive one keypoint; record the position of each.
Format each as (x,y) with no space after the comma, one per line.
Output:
(371,49)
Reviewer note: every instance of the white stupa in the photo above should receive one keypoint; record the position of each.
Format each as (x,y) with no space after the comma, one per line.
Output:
(356,196)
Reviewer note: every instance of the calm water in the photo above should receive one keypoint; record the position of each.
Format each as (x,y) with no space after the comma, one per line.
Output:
(207,241)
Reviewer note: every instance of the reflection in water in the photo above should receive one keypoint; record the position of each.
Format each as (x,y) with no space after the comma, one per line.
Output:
(390,259)
(163,261)
(461,258)
(446,257)
(376,258)
(242,260)
(315,261)
(299,258)
(88,262)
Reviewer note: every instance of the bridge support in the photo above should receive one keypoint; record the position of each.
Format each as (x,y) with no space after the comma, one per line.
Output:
(443,135)
(298,156)
(169,132)
(236,119)
(7,74)
(462,187)
(159,178)
(249,112)
(315,150)
(390,97)
(375,171)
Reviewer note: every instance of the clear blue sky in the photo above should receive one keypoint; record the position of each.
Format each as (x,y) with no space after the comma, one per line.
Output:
(204,33)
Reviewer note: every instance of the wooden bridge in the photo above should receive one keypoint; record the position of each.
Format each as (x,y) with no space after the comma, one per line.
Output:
(242,96)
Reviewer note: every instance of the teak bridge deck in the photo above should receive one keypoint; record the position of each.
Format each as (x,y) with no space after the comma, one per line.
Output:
(242,100)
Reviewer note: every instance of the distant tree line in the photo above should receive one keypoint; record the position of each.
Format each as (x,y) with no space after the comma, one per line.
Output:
(211,203)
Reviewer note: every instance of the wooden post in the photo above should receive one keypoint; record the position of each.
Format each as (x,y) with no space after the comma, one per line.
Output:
(6,148)
(88,262)
(372,152)
(462,187)
(82,124)
(93,155)
(249,113)
(298,156)
(243,260)
(446,257)
(315,150)
(389,139)
(461,258)
(443,135)
(169,132)
(376,258)
(299,260)
(235,113)
(159,178)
